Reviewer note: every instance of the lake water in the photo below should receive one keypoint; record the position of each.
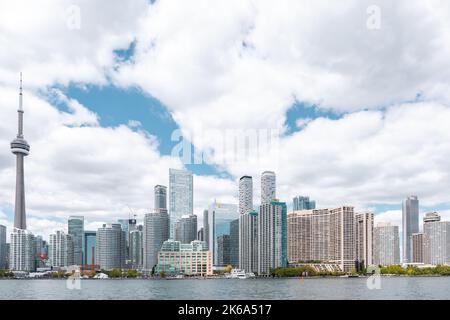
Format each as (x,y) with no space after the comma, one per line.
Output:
(323,288)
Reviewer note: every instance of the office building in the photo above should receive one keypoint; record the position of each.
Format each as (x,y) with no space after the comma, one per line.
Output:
(410,223)
(248,241)
(206,228)
(219,217)
(234,243)
(417,247)
(436,240)
(201,234)
(223,250)
(245,194)
(386,248)
(3,258)
(186,229)
(40,251)
(110,247)
(76,230)
(136,249)
(272,237)
(303,203)
(268,187)
(156,231)
(364,239)
(90,242)
(188,259)
(181,196)
(160,198)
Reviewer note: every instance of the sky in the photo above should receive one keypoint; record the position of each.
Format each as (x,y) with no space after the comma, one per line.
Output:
(348,102)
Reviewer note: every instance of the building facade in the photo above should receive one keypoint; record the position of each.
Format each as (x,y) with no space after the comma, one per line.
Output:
(186,229)
(21,251)
(76,230)
(410,223)
(188,259)
(90,242)
(223,250)
(160,198)
(436,240)
(386,248)
(136,249)
(272,237)
(417,248)
(181,196)
(110,247)
(364,239)
(3,258)
(248,241)
(61,249)
(156,231)
(234,243)
(219,217)
(245,194)
(303,203)
(268,187)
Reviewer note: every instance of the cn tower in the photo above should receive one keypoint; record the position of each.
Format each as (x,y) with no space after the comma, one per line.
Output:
(20,148)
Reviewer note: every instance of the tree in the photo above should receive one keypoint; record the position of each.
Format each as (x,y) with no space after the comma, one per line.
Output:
(132,273)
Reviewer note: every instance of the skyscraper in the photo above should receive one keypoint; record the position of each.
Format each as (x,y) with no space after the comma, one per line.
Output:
(136,249)
(2,247)
(110,247)
(245,194)
(20,148)
(40,251)
(160,197)
(268,187)
(364,238)
(156,231)
(219,217)
(417,248)
(272,237)
(206,228)
(90,241)
(386,249)
(248,241)
(186,229)
(21,251)
(436,240)
(181,196)
(234,243)
(303,203)
(76,230)
(410,223)
(61,249)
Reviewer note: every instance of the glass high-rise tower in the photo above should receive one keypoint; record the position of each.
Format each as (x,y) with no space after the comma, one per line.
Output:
(410,223)
(181,196)
(76,230)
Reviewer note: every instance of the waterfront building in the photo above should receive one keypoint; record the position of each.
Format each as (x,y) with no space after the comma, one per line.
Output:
(234,243)
(61,249)
(417,247)
(187,259)
(323,235)
(186,229)
(156,231)
(21,251)
(219,217)
(3,258)
(364,239)
(248,241)
(245,194)
(76,230)
(206,227)
(223,250)
(272,237)
(136,249)
(40,252)
(110,247)
(436,240)
(160,198)
(386,249)
(90,242)
(181,196)
(127,226)
(201,234)
(303,203)
(268,187)
(410,223)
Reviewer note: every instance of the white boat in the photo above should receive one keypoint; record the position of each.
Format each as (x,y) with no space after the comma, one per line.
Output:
(238,274)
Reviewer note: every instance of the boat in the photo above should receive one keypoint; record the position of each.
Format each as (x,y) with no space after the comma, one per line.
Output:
(238,274)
